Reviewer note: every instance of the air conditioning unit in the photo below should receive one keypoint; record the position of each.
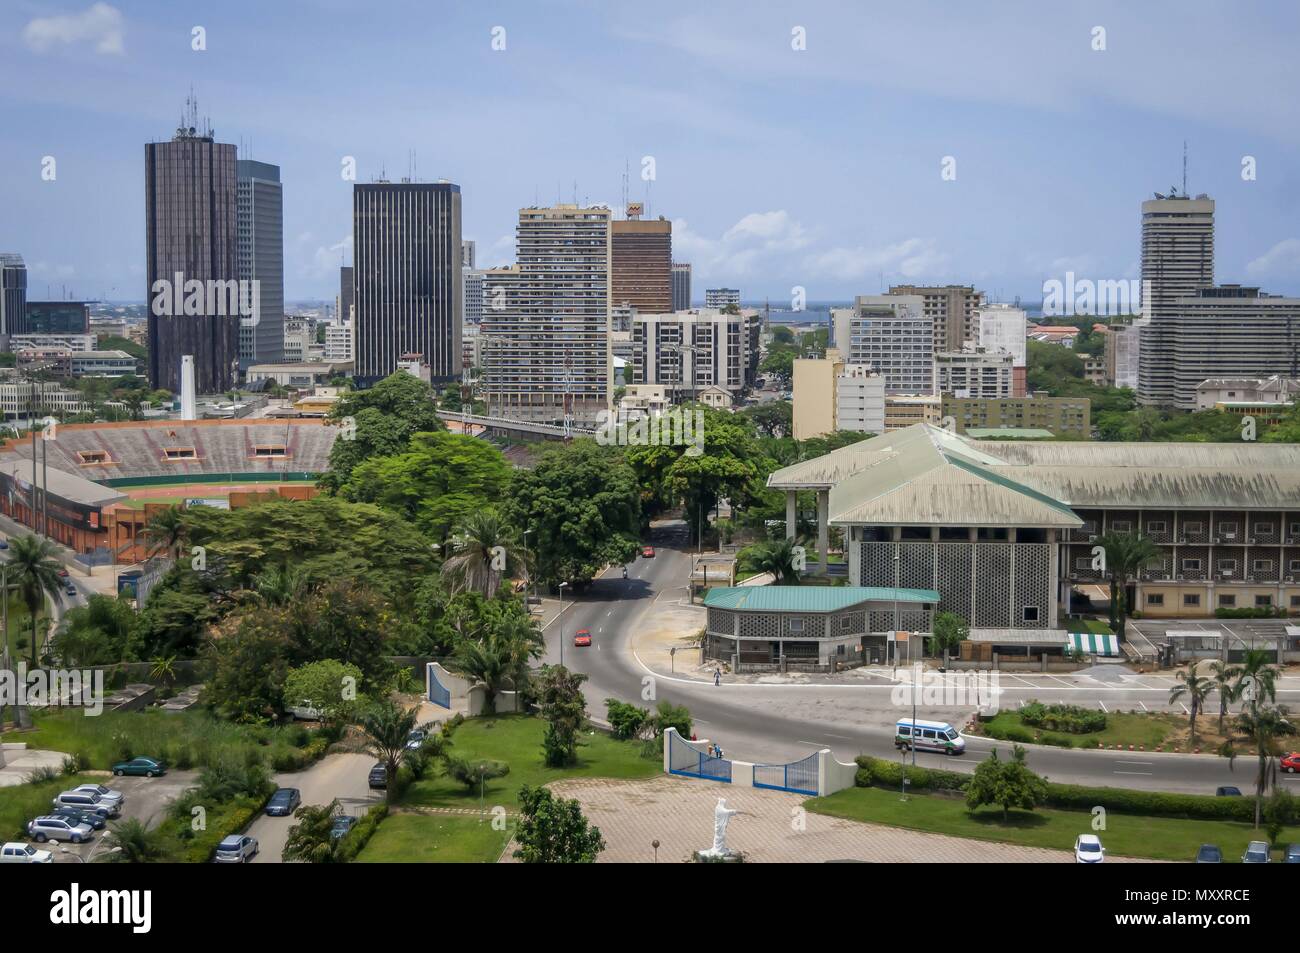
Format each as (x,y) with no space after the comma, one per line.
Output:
(1290,578)
(1229,535)
(1215,540)
(1251,540)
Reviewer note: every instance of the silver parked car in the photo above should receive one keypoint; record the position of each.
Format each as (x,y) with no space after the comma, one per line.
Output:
(85,801)
(108,794)
(236,849)
(42,829)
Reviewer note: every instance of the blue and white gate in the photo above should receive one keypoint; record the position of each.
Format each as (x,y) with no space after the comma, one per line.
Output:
(439,694)
(798,777)
(690,761)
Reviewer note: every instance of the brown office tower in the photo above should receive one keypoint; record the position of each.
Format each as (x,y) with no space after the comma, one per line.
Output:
(190,216)
(642,263)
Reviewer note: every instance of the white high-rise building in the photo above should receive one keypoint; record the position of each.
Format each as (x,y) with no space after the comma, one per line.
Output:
(1002,327)
(973,372)
(721,297)
(338,342)
(546,323)
(690,351)
(893,336)
(859,399)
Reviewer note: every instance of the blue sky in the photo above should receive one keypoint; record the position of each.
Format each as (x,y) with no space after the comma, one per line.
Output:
(818,167)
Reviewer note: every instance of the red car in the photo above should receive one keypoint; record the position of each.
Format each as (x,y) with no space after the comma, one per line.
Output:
(648,552)
(1291,763)
(582,637)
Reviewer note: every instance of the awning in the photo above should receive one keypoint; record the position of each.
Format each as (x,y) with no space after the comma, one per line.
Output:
(1094,643)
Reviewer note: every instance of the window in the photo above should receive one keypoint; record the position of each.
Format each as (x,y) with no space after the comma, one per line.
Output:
(1155,526)
(1121,526)
(1293,566)
(1030,614)
(1262,565)
(271,451)
(1295,530)
(1191,600)
(796,624)
(1228,530)
(1082,562)
(1195,527)
(1263,529)
(1191,565)
(89,457)
(1155,598)
(179,453)
(1227,601)
(1262,602)
(1226,566)
(1295,602)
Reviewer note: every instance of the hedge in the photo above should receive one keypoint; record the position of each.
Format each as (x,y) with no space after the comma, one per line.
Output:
(879,772)
(230,818)
(356,839)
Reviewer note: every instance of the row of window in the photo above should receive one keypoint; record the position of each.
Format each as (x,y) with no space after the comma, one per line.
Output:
(1226,529)
(1225,566)
(1192,600)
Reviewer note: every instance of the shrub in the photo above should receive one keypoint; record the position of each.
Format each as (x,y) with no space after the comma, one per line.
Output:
(41,775)
(625,719)
(356,839)
(472,774)
(879,772)
(1071,719)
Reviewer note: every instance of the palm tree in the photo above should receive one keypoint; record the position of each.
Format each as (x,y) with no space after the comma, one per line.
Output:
(1264,726)
(1196,688)
(1224,675)
(388,728)
(1126,555)
(132,842)
(501,656)
(1256,679)
(477,544)
(34,572)
(163,669)
(776,557)
(311,840)
(281,585)
(166,531)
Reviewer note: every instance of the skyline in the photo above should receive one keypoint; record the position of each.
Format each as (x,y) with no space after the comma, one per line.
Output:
(770,181)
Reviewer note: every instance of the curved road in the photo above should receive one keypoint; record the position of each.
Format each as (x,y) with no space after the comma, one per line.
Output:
(778,723)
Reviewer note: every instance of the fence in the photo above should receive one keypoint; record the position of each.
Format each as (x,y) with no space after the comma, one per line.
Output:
(817,774)
(799,777)
(687,759)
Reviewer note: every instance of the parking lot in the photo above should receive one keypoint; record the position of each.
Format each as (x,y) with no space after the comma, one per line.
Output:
(146,799)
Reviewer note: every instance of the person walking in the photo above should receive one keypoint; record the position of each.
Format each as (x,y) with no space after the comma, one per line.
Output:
(717,677)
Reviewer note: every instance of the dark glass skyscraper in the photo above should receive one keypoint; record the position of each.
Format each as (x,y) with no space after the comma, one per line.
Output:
(407,277)
(261,259)
(190,216)
(13,294)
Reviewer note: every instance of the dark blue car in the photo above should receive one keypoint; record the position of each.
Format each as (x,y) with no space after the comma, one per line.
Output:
(283,802)
(342,824)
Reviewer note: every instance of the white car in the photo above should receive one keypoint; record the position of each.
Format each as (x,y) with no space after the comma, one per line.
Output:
(235,849)
(16,852)
(42,829)
(305,712)
(87,801)
(1088,849)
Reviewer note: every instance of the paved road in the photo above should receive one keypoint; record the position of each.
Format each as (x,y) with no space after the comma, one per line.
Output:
(778,723)
(341,776)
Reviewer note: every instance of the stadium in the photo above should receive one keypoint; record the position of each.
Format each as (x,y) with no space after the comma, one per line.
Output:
(96,486)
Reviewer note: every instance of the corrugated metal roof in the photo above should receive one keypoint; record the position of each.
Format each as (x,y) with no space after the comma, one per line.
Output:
(809,598)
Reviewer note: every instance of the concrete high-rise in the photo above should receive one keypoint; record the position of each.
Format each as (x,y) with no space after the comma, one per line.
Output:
(681,286)
(13,294)
(642,257)
(190,237)
(952,308)
(1177,262)
(689,351)
(546,322)
(893,336)
(260,245)
(721,297)
(407,272)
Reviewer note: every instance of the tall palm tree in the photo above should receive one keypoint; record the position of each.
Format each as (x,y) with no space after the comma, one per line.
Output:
(776,557)
(479,539)
(1264,725)
(387,728)
(1224,676)
(500,657)
(1195,688)
(166,530)
(34,572)
(1256,679)
(1126,555)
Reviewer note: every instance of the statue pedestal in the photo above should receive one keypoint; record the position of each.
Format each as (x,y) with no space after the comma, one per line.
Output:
(712,857)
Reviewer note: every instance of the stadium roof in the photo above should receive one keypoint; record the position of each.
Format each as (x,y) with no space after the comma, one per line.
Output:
(68,486)
(809,598)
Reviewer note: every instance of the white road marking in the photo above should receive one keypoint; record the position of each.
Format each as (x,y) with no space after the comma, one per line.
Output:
(1143,704)
(1147,773)
(1184,708)
(1103,706)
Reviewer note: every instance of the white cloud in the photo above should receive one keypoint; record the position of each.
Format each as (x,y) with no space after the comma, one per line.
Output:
(1282,259)
(326,260)
(910,258)
(100,25)
(758,238)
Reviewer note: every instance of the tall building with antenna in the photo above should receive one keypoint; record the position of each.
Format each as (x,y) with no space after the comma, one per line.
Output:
(546,322)
(190,235)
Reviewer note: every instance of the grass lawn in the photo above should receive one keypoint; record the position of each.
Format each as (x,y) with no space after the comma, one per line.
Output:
(21,802)
(425,839)
(1123,728)
(1161,838)
(516,740)
(1088,625)
(20,628)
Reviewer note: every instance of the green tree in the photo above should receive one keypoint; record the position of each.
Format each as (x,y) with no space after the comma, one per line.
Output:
(1005,783)
(1195,688)
(166,531)
(950,631)
(475,775)
(626,720)
(387,728)
(309,841)
(482,550)
(1224,677)
(386,416)
(1265,726)
(500,658)
(248,661)
(329,686)
(772,418)
(564,709)
(775,556)
(130,841)
(779,363)
(34,572)
(102,632)
(1126,554)
(554,831)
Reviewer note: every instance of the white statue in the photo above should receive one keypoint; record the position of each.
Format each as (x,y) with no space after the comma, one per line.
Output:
(721,815)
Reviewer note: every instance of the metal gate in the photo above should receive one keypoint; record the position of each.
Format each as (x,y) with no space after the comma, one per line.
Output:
(798,777)
(689,761)
(438,694)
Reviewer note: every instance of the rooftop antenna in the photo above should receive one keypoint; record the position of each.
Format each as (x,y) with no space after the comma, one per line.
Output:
(1184,168)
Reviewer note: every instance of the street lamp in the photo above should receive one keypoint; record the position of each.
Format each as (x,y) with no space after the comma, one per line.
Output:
(562,587)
